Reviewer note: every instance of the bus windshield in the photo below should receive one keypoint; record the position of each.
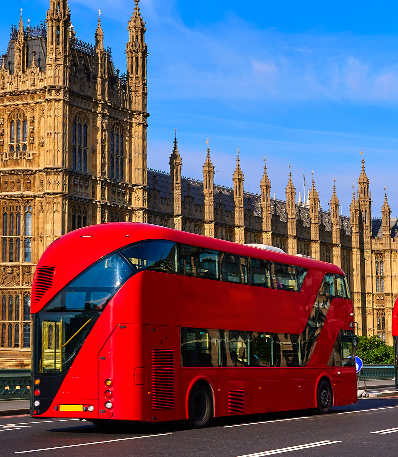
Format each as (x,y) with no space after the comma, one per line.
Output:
(63,325)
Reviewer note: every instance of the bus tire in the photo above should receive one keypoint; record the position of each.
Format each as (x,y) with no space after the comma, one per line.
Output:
(200,406)
(324,397)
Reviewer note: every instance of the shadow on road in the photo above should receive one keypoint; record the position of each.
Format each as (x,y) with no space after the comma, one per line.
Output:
(129,428)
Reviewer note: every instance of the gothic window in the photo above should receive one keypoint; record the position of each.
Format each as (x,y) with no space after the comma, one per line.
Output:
(79,144)
(28,234)
(9,335)
(381,325)
(10,307)
(16,308)
(379,273)
(3,335)
(26,307)
(16,336)
(117,154)
(26,336)
(79,217)
(3,308)
(18,140)
(11,236)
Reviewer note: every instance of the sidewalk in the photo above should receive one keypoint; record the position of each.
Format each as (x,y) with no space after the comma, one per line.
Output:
(14,407)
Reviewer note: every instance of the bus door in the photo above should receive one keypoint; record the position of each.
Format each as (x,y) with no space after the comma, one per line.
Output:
(162,374)
(121,375)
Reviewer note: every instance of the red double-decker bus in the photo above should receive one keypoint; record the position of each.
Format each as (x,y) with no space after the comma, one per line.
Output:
(144,323)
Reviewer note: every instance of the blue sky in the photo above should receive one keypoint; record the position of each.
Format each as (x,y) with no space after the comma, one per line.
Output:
(301,82)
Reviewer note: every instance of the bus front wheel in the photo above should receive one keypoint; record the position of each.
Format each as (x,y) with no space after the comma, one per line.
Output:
(200,406)
(324,397)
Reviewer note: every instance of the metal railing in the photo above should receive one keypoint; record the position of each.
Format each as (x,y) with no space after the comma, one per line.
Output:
(15,384)
(377,372)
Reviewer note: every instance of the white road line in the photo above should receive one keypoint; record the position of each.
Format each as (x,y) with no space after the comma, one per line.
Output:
(388,430)
(267,422)
(308,417)
(94,442)
(291,448)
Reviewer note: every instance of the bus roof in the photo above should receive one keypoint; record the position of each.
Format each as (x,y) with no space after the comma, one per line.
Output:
(77,250)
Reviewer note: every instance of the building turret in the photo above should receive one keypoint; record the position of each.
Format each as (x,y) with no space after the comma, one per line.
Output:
(314,215)
(386,219)
(291,215)
(239,207)
(208,190)
(335,216)
(266,207)
(20,49)
(136,52)
(101,62)
(175,175)
(58,24)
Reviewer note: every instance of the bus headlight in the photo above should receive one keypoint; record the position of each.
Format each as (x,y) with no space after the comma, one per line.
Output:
(108,405)
(37,403)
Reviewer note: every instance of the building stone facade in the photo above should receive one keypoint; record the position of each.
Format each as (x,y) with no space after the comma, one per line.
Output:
(73,152)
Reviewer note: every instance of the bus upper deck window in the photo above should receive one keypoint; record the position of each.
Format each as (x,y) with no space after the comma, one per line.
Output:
(155,255)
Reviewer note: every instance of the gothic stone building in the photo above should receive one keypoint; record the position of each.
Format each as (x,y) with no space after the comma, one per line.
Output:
(73,152)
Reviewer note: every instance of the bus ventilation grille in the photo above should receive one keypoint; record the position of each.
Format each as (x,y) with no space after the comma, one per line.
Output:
(44,281)
(163,379)
(236,401)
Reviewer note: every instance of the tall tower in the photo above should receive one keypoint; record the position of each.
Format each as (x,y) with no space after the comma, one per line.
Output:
(175,175)
(291,216)
(208,190)
(314,215)
(365,243)
(335,216)
(265,187)
(238,179)
(72,149)
(136,52)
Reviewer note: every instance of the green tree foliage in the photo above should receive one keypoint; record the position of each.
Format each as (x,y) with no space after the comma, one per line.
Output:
(373,350)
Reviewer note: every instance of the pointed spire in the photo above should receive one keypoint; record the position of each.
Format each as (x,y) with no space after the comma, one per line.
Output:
(175,148)
(334,200)
(208,165)
(362,177)
(175,158)
(238,172)
(136,19)
(99,34)
(386,206)
(265,181)
(290,185)
(208,149)
(20,26)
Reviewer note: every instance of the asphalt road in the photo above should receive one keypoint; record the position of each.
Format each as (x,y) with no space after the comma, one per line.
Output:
(369,428)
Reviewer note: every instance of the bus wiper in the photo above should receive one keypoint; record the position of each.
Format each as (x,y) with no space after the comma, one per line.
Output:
(71,338)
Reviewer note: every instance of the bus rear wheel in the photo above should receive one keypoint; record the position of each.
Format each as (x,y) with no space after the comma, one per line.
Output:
(324,397)
(200,406)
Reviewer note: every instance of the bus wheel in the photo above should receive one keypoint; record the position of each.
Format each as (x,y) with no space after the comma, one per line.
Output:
(200,406)
(324,397)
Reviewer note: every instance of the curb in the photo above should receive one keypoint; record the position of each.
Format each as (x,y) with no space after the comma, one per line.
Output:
(14,412)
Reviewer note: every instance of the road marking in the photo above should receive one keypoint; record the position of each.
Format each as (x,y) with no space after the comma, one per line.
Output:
(386,431)
(267,422)
(94,442)
(308,417)
(291,448)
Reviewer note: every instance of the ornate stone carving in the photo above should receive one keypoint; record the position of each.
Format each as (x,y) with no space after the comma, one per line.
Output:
(10,276)
(27,275)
